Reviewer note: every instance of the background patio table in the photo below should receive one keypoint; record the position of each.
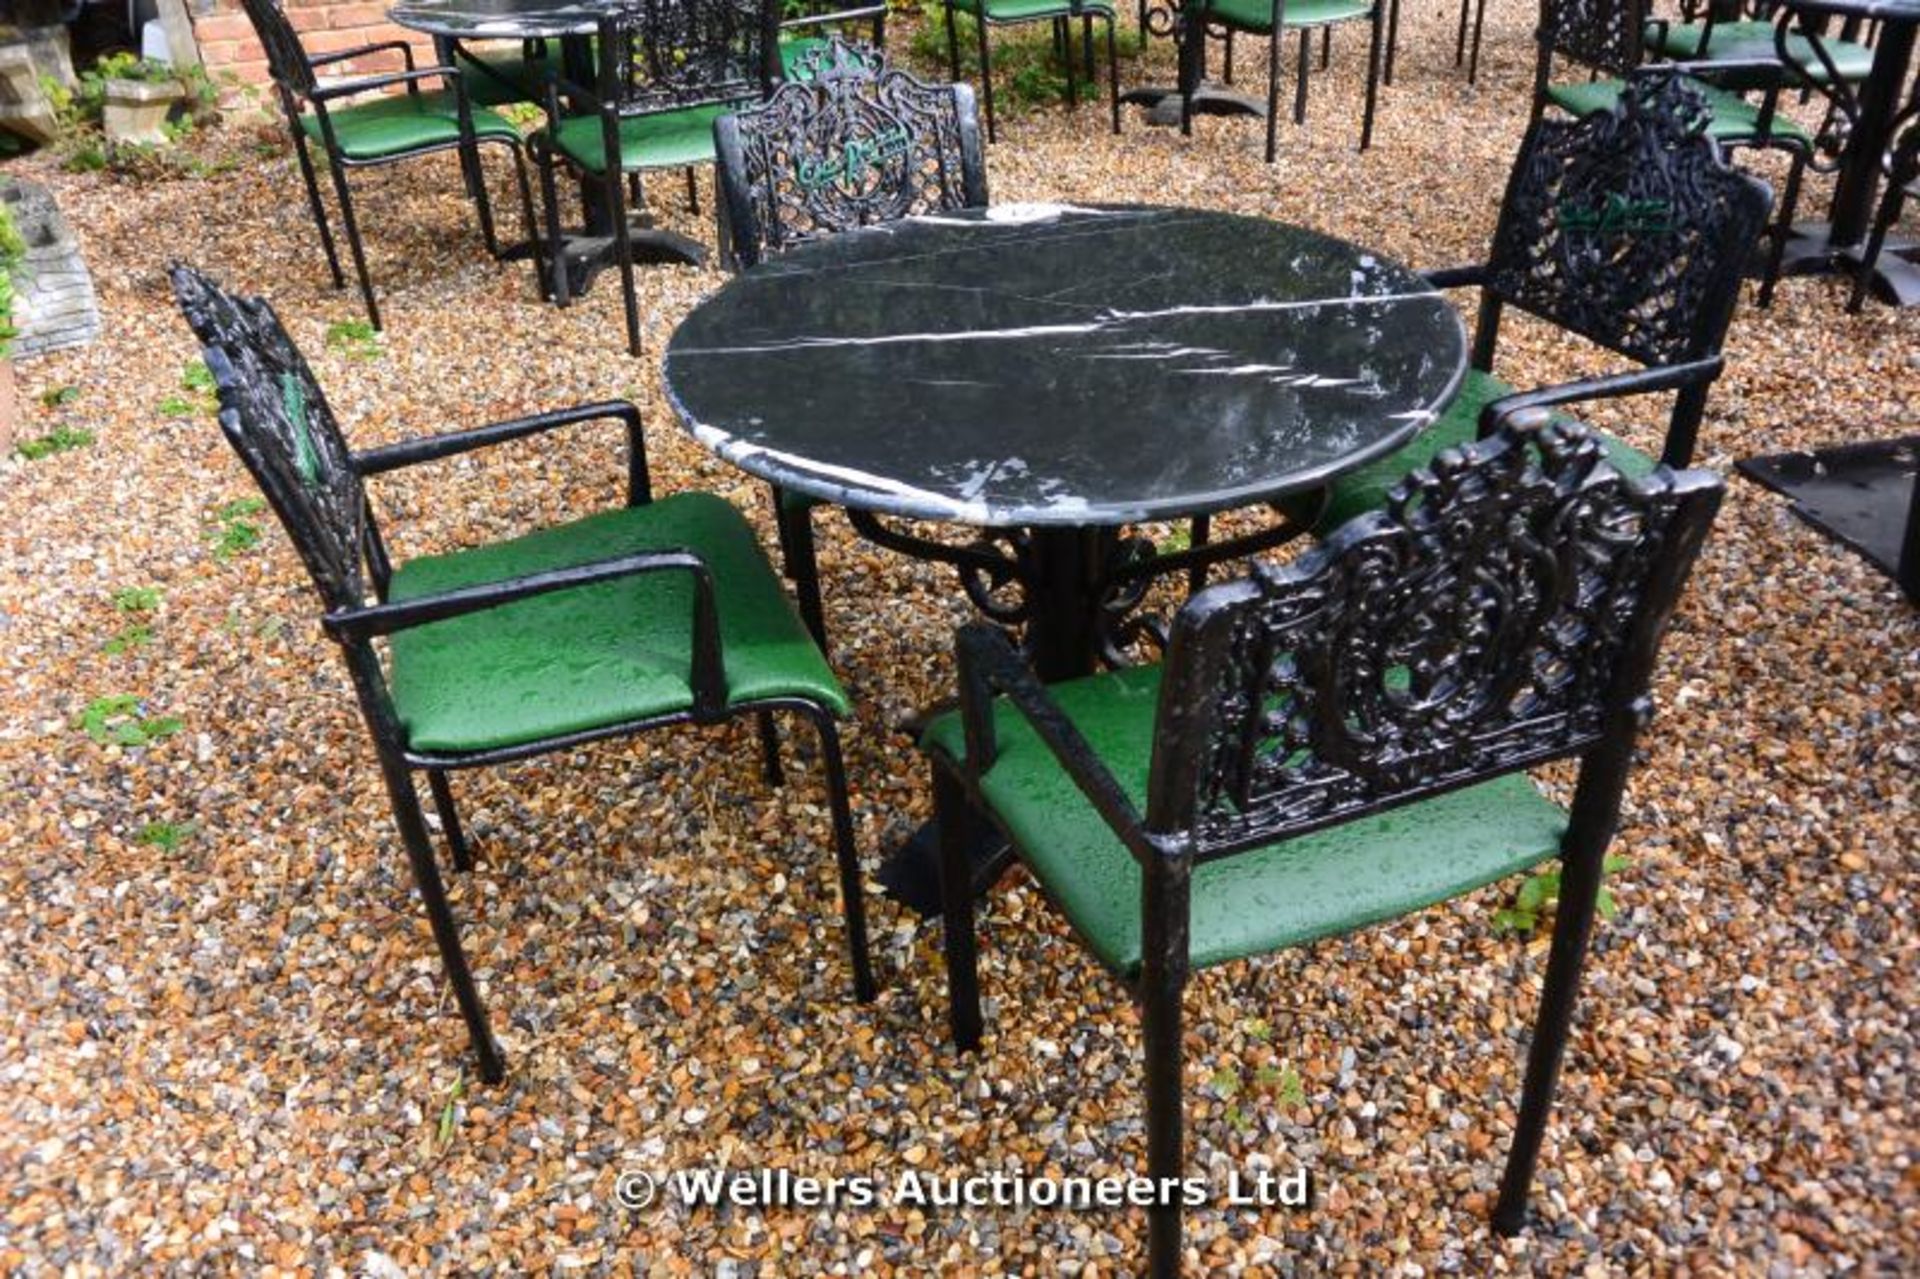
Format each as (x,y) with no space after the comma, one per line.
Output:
(1826,246)
(573,23)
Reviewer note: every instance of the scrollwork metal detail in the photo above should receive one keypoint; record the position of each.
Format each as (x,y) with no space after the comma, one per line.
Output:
(278,420)
(847,142)
(1477,624)
(1646,286)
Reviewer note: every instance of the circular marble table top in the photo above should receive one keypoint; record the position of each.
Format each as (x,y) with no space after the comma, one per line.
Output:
(1064,366)
(501,19)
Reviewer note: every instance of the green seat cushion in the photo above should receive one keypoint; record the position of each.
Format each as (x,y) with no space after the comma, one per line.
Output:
(403,122)
(1009,11)
(1257,15)
(579,659)
(1366,489)
(1739,41)
(667,139)
(1318,885)
(791,51)
(1734,118)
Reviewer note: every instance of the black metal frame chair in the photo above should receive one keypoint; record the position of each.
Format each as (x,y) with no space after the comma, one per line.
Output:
(787,173)
(1506,610)
(1607,38)
(296,80)
(276,418)
(1062,17)
(1274,28)
(664,65)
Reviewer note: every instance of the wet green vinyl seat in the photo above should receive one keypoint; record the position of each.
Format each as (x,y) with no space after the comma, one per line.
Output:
(1739,41)
(1366,489)
(1734,118)
(404,122)
(584,658)
(665,139)
(1010,11)
(1312,886)
(1257,15)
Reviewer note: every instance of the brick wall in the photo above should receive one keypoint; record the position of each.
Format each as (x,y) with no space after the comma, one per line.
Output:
(227,42)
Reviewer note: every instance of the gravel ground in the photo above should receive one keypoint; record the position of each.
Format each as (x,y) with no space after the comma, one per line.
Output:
(225,1042)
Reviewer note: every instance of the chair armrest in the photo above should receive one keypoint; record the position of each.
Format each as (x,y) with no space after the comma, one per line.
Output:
(988,665)
(1456,277)
(1665,377)
(342,55)
(364,84)
(430,448)
(708,673)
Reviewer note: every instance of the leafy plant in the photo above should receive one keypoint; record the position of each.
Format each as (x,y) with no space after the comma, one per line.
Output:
(1542,889)
(13,250)
(128,638)
(117,721)
(60,439)
(1023,63)
(196,376)
(165,836)
(196,379)
(59,396)
(236,532)
(136,599)
(355,339)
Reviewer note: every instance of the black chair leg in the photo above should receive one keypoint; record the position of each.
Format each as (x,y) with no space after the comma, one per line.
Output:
(623,248)
(482,205)
(557,284)
(1226,59)
(353,240)
(319,207)
(1460,36)
(1393,40)
(1870,254)
(1326,47)
(1273,94)
(955,817)
(986,79)
(794,523)
(1782,230)
(693,190)
(1479,26)
(1163,981)
(1198,534)
(1063,49)
(1086,44)
(852,899)
(529,220)
(1373,81)
(770,750)
(1113,73)
(450,819)
(953,44)
(1300,85)
(1580,875)
(446,930)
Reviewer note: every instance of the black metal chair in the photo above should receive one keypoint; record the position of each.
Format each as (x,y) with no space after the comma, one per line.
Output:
(382,130)
(1606,39)
(1014,13)
(1273,19)
(1334,744)
(1626,227)
(666,70)
(1902,165)
(846,142)
(650,615)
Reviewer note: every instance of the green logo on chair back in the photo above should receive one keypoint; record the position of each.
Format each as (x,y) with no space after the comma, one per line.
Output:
(306,458)
(1617,215)
(855,157)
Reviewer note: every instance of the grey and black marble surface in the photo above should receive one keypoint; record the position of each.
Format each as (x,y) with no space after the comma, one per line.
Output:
(501,19)
(1061,366)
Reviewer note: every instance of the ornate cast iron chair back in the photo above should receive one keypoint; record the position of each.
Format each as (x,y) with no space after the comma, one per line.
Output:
(1607,36)
(846,142)
(286,56)
(1629,227)
(1504,610)
(664,55)
(275,416)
